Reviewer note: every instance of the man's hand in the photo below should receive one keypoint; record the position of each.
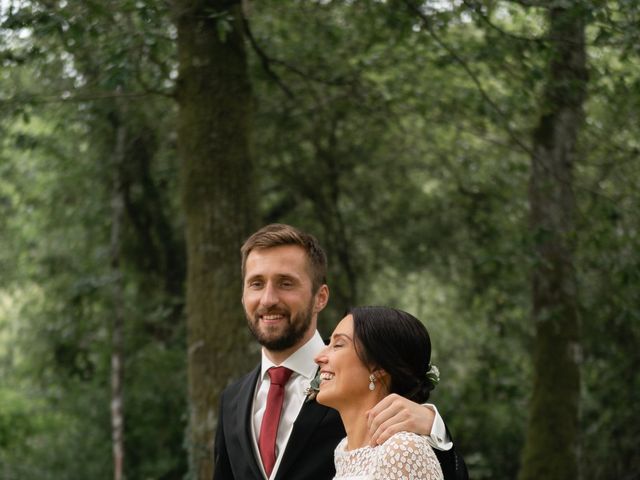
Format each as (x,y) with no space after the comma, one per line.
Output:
(395,414)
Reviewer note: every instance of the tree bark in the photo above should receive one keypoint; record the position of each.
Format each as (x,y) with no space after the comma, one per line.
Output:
(117,332)
(552,442)
(217,189)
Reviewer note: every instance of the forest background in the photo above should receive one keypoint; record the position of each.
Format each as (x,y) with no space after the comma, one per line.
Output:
(474,162)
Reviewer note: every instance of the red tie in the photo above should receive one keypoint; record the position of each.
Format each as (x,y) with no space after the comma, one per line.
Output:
(268,430)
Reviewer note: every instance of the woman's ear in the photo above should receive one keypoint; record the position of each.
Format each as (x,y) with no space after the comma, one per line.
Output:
(380,373)
(383,377)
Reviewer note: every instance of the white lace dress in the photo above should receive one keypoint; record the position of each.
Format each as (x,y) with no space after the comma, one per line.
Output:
(404,456)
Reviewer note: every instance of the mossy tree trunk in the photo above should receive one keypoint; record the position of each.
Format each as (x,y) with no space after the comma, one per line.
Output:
(217,188)
(551,447)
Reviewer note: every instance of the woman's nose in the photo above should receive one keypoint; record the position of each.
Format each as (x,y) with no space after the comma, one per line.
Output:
(321,358)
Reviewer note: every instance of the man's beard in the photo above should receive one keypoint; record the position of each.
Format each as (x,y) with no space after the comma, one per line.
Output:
(294,330)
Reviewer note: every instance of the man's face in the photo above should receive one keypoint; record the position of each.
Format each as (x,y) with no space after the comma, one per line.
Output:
(280,307)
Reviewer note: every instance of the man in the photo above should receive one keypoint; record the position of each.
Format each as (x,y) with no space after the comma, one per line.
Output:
(267,428)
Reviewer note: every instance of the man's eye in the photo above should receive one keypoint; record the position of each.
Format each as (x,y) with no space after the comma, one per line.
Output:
(255,284)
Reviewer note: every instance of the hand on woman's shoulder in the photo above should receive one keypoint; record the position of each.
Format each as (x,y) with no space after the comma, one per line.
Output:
(408,456)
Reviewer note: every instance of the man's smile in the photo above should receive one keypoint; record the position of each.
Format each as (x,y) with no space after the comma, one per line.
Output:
(272,318)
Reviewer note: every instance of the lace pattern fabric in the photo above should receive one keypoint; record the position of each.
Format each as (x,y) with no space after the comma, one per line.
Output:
(405,456)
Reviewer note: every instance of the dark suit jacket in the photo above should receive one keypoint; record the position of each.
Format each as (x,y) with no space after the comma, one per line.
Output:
(309,451)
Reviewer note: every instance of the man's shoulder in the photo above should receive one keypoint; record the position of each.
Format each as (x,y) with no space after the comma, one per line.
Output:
(246,380)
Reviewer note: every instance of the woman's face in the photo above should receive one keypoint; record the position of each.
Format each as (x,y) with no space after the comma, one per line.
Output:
(344,377)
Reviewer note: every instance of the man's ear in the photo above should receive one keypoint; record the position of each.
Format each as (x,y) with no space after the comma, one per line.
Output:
(322,298)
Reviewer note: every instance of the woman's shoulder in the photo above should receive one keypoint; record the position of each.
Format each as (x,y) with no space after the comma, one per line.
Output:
(408,440)
(408,455)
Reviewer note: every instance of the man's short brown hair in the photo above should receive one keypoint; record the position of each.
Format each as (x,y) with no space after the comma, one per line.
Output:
(279,234)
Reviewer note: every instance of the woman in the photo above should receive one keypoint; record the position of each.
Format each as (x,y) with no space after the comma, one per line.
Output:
(375,351)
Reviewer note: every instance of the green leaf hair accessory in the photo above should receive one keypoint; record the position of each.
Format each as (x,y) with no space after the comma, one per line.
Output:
(314,387)
(433,375)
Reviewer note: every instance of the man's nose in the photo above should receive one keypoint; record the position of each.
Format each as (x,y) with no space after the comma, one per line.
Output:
(269,296)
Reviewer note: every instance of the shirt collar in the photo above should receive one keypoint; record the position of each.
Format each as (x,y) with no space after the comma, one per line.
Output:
(300,361)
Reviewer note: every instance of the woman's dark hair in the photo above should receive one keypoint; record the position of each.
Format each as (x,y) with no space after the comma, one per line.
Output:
(398,343)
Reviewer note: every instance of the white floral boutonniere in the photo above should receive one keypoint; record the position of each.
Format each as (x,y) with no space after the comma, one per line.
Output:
(314,387)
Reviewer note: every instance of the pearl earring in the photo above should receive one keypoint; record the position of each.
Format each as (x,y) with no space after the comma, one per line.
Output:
(372,382)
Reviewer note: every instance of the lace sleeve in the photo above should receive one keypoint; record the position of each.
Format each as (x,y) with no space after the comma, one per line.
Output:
(407,456)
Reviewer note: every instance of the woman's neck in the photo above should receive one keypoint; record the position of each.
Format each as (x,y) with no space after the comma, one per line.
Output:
(355,424)
(354,418)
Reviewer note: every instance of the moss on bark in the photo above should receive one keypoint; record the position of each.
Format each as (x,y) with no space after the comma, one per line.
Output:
(551,448)
(217,189)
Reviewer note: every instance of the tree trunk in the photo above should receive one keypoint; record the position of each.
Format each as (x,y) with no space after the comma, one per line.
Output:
(117,333)
(217,192)
(551,447)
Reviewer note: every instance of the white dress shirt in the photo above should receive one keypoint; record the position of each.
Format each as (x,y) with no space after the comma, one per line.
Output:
(304,369)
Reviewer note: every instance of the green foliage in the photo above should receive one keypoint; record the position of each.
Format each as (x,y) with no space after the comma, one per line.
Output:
(410,154)
(55,199)
(400,141)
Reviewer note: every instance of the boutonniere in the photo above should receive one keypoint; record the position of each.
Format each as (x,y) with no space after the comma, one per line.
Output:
(314,387)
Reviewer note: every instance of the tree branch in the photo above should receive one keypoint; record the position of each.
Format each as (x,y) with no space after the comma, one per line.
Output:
(265,60)
(67,98)
(140,47)
(474,78)
(478,11)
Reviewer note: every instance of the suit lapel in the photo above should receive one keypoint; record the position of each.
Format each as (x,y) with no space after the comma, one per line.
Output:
(308,419)
(244,417)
